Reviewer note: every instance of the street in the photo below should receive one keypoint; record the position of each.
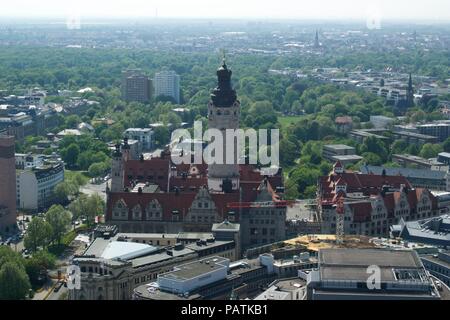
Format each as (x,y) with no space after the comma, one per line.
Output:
(90,189)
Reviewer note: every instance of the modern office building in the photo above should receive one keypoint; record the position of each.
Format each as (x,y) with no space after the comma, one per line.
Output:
(167,84)
(345,274)
(414,138)
(342,153)
(440,130)
(213,278)
(360,135)
(136,86)
(407,160)
(35,185)
(8,212)
(444,157)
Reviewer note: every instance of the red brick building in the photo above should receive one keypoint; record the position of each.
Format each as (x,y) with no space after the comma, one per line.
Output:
(8,212)
(372,202)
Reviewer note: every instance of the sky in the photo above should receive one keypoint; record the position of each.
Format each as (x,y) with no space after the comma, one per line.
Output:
(438,10)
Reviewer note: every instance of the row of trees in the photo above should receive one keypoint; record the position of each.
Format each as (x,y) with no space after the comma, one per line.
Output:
(44,231)
(50,229)
(18,275)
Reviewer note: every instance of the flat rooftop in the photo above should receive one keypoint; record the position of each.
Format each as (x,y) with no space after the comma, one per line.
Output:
(351,265)
(338,147)
(197,268)
(348,158)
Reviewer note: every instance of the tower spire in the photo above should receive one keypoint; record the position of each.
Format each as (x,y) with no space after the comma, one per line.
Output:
(316,41)
(224,58)
(410,92)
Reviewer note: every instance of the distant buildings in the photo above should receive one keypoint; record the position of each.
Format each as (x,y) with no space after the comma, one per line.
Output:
(316,40)
(419,178)
(342,153)
(407,160)
(381,121)
(136,86)
(440,130)
(8,212)
(360,135)
(344,124)
(69,132)
(144,136)
(414,138)
(167,84)
(444,157)
(344,274)
(36,184)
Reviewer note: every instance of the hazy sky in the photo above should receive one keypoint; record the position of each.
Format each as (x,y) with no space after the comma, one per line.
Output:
(330,9)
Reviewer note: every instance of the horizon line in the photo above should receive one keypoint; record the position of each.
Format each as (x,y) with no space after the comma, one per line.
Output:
(221,18)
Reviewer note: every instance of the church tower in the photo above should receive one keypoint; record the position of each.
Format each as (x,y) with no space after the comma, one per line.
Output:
(316,40)
(223,114)
(410,93)
(117,170)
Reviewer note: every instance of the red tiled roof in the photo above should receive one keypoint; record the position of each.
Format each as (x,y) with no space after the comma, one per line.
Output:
(367,184)
(141,171)
(169,202)
(343,120)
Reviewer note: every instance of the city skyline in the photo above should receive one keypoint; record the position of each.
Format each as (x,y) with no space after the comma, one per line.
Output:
(436,10)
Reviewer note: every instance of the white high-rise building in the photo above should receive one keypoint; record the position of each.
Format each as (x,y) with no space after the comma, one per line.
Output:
(167,83)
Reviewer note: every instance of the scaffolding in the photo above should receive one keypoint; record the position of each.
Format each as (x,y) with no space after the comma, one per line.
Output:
(340,221)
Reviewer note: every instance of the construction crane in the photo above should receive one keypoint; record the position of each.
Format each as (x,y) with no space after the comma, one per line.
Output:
(340,220)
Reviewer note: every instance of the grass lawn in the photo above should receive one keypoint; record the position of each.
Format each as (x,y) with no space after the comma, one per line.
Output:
(68,175)
(286,121)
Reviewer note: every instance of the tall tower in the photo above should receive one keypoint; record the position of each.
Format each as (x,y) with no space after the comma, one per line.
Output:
(410,93)
(117,170)
(316,40)
(8,211)
(223,114)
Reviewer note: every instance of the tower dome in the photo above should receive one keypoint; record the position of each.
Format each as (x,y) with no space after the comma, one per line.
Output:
(223,95)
